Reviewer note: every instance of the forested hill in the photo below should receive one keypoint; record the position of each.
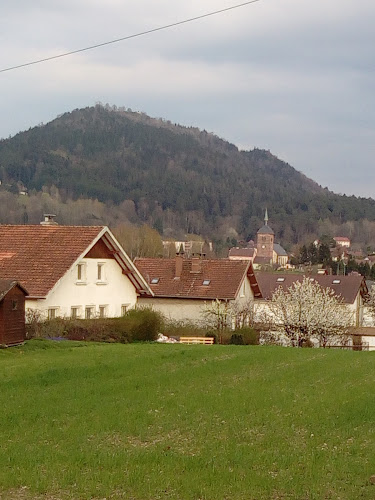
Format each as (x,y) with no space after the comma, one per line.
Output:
(174,178)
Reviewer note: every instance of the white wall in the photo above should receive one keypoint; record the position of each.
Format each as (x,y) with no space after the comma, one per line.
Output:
(113,291)
(190,310)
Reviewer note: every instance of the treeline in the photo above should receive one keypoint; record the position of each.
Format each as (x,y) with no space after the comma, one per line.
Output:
(118,166)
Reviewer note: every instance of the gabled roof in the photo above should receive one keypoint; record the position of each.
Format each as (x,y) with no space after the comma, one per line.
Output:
(222,277)
(38,256)
(346,287)
(7,285)
(247,252)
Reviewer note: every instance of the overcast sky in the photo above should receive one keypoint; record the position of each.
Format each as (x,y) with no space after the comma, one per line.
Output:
(295,77)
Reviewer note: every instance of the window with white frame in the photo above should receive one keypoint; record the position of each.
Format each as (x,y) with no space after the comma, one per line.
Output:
(81,273)
(124,309)
(75,312)
(89,312)
(103,311)
(52,312)
(100,273)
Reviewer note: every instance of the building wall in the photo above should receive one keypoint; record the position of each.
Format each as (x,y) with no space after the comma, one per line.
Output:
(112,291)
(190,310)
(12,317)
(265,245)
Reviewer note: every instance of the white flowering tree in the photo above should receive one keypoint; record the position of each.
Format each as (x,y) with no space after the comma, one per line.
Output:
(307,312)
(370,302)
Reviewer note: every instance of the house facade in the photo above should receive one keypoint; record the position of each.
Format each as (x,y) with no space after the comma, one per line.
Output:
(351,289)
(183,287)
(70,271)
(12,312)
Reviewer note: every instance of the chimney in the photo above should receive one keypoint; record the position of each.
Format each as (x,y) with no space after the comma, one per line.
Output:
(179,259)
(49,220)
(196,264)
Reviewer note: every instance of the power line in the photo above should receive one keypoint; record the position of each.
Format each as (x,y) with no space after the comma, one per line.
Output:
(160,28)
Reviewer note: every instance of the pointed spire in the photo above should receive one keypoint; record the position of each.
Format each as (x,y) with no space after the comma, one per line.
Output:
(266,218)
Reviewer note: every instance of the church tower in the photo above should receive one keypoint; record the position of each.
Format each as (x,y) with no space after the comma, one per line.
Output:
(265,241)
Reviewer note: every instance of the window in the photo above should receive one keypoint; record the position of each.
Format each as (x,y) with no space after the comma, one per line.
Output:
(280,280)
(75,312)
(243,289)
(52,312)
(89,312)
(124,309)
(336,282)
(81,273)
(102,311)
(206,282)
(14,305)
(154,281)
(100,275)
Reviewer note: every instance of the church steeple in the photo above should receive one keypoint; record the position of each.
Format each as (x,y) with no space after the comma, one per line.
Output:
(266,218)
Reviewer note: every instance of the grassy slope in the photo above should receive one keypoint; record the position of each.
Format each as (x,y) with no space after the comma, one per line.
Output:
(186,422)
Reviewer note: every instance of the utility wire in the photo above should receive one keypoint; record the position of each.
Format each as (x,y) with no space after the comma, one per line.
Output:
(160,28)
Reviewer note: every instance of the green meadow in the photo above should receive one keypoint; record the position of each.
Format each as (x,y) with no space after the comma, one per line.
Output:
(150,421)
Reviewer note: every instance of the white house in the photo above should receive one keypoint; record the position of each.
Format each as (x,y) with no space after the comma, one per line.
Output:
(181,287)
(70,271)
(351,289)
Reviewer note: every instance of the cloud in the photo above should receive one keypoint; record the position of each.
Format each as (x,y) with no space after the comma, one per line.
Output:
(293,77)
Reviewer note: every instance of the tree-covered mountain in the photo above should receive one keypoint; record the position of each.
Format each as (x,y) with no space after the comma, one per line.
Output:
(174,178)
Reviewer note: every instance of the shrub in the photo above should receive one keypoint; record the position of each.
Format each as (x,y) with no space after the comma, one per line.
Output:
(236,339)
(245,336)
(137,324)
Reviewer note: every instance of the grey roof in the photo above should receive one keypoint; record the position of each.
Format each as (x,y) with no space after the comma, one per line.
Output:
(265,230)
(279,249)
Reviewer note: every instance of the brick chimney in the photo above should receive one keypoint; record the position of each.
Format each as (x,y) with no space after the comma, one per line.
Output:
(49,220)
(179,260)
(196,264)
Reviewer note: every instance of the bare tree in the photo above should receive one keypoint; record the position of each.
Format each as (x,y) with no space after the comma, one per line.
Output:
(307,312)
(370,302)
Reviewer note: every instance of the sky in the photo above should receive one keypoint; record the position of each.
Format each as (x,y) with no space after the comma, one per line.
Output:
(294,77)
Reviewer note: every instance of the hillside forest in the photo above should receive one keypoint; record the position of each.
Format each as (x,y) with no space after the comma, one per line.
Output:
(114,166)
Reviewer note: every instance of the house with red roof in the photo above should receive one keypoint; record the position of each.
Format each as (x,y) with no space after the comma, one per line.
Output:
(182,286)
(70,271)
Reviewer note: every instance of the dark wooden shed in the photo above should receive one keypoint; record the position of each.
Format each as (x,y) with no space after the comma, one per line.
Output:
(12,312)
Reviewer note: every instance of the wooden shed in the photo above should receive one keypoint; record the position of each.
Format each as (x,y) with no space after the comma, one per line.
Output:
(12,312)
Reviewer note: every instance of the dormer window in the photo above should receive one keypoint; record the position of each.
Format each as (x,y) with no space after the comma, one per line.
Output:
(206,282)
(155,281)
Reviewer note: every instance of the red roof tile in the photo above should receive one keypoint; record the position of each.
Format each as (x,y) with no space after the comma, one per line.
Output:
(224,277)
(38,256)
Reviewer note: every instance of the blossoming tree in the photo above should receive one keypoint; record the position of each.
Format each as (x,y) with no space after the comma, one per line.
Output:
(307,312)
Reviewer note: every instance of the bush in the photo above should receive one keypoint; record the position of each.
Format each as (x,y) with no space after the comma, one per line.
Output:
(136,325)
(245,336)
(236,339)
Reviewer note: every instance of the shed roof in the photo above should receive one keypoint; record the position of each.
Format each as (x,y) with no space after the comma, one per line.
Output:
(6,285)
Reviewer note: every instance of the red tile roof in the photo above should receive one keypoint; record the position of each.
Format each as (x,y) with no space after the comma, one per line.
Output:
(224,276)
(38,256)
(241,252)
(345,286)
(6,285)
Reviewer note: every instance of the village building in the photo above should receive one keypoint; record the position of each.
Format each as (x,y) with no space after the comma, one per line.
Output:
(182,287)
(12,312)
(70,271)
(351,289)
(342,241)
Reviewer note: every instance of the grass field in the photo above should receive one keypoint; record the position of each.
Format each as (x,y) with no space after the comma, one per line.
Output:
(148,421)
